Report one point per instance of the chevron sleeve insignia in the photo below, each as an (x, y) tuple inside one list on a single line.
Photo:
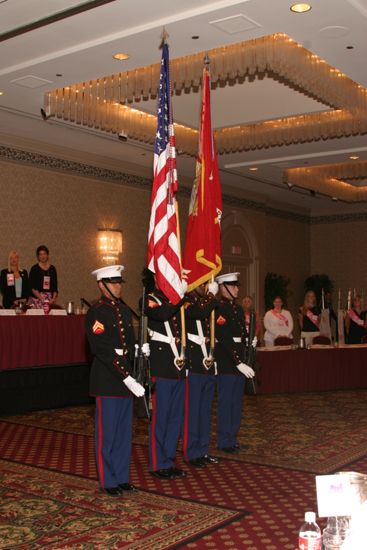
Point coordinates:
[(98, 328), (221, 320)]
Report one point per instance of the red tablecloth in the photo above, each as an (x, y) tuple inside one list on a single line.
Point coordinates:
[(312, 370), (27, 341)]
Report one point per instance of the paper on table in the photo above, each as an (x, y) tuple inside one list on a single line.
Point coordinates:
[(340, 494)]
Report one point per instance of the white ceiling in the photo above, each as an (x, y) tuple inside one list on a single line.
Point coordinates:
[(81, 47)]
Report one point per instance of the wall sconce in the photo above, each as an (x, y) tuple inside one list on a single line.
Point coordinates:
[(109, 244)]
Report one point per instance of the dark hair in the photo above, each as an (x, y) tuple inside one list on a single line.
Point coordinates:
[(41, 248)]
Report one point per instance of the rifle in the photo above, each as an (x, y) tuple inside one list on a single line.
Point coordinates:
[(250, 352), (141, 371)]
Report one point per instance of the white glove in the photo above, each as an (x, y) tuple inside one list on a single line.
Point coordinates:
[(119, 351), (254, 342), (213, 288), (134, 386), (246, 370), (145, 348), (184, 286)]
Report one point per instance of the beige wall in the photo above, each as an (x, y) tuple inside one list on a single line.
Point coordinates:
[(64, 211), (288, 253), (339, 249)]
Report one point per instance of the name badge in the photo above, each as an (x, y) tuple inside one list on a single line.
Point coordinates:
[(10, 279), (46, 282)]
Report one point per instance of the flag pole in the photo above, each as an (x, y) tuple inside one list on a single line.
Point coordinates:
[(212, 314), (182, 309), (164, 37)]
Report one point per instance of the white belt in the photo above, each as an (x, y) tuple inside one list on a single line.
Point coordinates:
[(237, 339), (158, 337), (169, 339), (199, 340)]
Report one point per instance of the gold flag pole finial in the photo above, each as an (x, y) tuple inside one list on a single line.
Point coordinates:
[(206, 60), (164, 37)]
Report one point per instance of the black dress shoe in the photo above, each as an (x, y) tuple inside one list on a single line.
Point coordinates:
[(229, 450), (128, 487), (164, 473), (210, 459), (178, 473), (112, 491), (197, 462), (238, 448)]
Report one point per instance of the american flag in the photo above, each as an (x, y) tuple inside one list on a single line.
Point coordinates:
[(163, 247)]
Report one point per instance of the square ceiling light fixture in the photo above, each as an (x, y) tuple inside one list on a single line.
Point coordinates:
[(235, 24), (31, 81)]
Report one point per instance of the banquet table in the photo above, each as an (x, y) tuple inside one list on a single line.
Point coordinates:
[(35, 341), (44, 362), (315, 369)]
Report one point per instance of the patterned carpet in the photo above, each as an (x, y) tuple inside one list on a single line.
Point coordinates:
[(39, 510), (316, 433), (207, 510)]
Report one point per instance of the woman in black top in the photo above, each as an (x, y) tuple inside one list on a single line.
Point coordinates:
[(355, 322), (309, 317), (43, 277), (14, 282)]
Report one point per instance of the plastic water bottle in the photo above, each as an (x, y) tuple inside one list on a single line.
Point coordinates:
[(335, 533), (310, 534)]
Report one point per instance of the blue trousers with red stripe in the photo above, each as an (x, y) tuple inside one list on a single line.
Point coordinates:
[(230, 399), (168, 402), (198, 407), (114, 422)]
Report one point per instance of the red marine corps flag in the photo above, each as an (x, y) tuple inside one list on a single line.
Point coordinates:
[(163, 245), (202, 254)]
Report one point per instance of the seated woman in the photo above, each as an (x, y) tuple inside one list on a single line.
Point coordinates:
[(355, 322), (277, 322), (43, 278), (14, 282), (248, 307), (309, 318)]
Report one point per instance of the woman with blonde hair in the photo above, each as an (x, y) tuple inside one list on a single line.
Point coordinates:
[(309, 316), (14, 282), (355, 321)]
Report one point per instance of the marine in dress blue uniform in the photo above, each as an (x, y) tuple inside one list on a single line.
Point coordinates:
[(168, 376), (112, 341), (201, 380), (231, 337)]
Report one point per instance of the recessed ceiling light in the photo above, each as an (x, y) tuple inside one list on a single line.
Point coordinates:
[(1, 93), (253, 169), (121, 56), (195, 37), (300, 8), (58, 74), (349, 47), (353, 157)]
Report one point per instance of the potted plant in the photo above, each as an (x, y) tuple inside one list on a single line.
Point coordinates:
[(275, 285)]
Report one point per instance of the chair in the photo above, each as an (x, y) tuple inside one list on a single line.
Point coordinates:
[(322, 340), (283, 341)]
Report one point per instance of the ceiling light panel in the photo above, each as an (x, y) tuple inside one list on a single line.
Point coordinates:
[(235, 24), (31, 81)]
